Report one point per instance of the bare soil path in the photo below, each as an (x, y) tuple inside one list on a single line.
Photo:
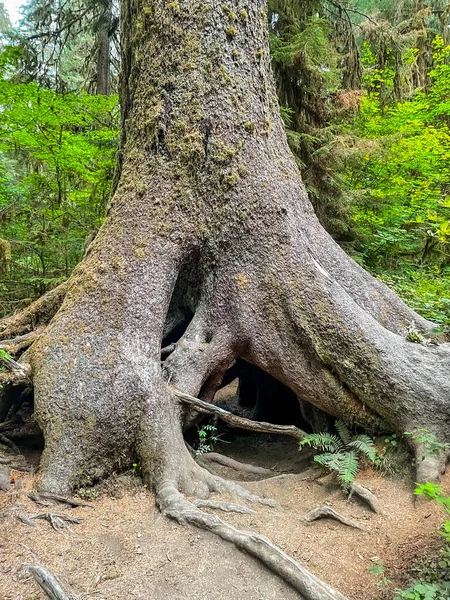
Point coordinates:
[(123, 549)]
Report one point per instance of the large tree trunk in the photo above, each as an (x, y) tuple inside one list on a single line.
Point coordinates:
[(209, 194)]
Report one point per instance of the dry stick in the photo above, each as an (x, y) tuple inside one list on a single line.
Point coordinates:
[(325, 512), (48, 583), (366, 495), (175, 506), (237, 421), (233, 464), (224, 506)]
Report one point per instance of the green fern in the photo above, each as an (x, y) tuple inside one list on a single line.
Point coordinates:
[(324, 441), (341, 453)]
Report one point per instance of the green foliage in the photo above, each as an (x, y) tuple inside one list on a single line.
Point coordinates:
[(434, 578), (401, 180), (207, 438), (57, 155), (341, 453), (431, 445)]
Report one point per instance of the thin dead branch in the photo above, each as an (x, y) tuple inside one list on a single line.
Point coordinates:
[(237, 421)]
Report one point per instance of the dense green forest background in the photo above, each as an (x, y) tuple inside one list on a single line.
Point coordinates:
[(364, 90)]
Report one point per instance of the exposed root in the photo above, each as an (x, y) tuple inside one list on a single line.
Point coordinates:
[(326, 512), (175, 506), (26, 520), (38, 313), (223, 486), (48, 583), (57, 521), (237, 421), (5, 479), (21, 342), (365, 495), (233, 464), (58, 499), (224, 506), (14, 366), (7, 442)]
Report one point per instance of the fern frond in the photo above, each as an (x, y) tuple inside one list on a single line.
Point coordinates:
[(364, 445), (344, 432), (348, 468), (323, 441), (344, 464)]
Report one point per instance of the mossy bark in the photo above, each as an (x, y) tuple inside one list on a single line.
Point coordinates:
[(205, 178)]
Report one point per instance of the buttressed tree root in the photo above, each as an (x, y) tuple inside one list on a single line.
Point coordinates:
[(210, 218)]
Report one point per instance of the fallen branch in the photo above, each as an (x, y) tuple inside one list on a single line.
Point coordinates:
[(237, 421), (233, 464), (326, 512), (224, 506), (48, 583), (366, 495)]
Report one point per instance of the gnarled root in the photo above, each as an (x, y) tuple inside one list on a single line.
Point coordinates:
[(365, 495), (173, 504), (38, 313), (226, 461), (48, 583), (326, 512)]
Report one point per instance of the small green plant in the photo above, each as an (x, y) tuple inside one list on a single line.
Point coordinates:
[(425, 591), (207, 438), (434, 581), (378, 571), (89, 493), (415, 336), (431, 445), (341, 454)]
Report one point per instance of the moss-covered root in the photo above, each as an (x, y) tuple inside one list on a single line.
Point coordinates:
[(38, 313), (173, 504)]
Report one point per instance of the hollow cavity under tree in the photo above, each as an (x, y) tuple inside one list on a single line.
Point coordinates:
[(209, 211)]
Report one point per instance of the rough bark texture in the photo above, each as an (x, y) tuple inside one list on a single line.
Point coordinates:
[(208, 196)]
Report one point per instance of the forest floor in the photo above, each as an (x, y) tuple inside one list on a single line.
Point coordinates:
[(124, 549)]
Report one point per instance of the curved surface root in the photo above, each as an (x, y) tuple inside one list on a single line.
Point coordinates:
[(233, 464), (365, 495), (224, 506), (326, 512), (173, 504)]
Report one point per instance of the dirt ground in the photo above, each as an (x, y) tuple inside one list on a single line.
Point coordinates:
[(123, 549)]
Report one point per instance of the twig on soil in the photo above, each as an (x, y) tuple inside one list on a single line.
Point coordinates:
[(48, 583), (224, 506), (366, 495), (233, 464), (237, 421), (326, 512)]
